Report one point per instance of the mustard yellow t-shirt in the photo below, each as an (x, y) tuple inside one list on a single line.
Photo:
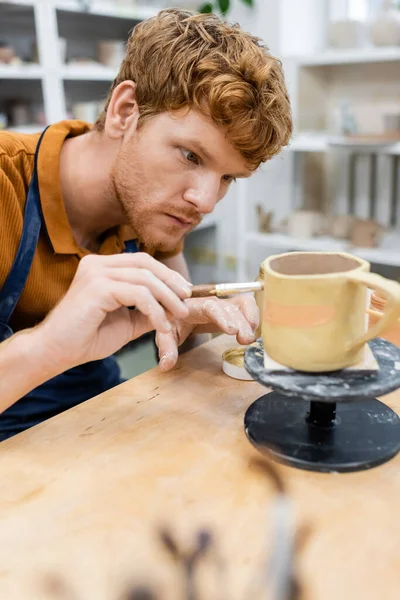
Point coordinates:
[(57, 255)]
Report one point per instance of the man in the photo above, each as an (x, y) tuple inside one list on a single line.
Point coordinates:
[(92, 220)]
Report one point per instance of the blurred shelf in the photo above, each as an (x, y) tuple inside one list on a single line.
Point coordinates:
[(33, 71), (322, 142), (378, 255), (324, 243), (29, 3), (26, 128), (281, 240), (90, 72), (106, 8), (110, 8), (347, 57), (208, 221), (309, 142), (377, 144)]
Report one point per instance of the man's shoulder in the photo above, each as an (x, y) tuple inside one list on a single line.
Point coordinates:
[(12, 144), (16, 163)]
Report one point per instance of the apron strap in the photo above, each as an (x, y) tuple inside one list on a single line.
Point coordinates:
[(16, 279), (131, 246), (13, 286)]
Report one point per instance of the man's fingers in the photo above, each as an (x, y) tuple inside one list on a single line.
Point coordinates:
[(229, 318), (226, 315), (248, 306), (237, 321), (141, 260), (140, 324), (125, 294), (167, 350), (161, 292)]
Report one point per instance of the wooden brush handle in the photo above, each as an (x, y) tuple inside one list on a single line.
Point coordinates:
[(223, 290), (204, 291)]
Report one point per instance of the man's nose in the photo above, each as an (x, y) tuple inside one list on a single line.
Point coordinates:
[(204, 194)]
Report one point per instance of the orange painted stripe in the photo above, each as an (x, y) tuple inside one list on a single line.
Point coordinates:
[(299, 317)]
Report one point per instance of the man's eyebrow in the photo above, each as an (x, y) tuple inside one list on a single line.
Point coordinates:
[(198, 146)]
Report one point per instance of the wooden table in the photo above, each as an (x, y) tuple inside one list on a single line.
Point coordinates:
[(82, 495)]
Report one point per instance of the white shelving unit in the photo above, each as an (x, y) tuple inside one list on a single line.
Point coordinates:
[(323, 142), (350, 57), (87, 81), (29, 3), (109, 8), (231, 229), (29, 71), (311, 73), (50, 72), (90, 72), (287, 242), (208, 221), (25, 129)]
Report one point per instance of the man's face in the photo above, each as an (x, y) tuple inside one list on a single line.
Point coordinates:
[(172, 172)]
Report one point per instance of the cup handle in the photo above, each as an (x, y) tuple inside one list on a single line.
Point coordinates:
[(391, 290), (374, 313)]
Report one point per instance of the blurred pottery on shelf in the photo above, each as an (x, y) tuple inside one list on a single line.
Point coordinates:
[(264, 220), (111, 53), (346, 34), (366, 233), (7, 54), (306, 224), (340, 226), (385, 29)]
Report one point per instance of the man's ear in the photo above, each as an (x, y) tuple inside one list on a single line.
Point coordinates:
[(122, 111)]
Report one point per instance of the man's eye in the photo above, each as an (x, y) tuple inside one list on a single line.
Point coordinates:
[(229, 178), (191, 156)]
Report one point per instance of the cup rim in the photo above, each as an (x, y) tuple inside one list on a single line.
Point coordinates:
[(267, 265)]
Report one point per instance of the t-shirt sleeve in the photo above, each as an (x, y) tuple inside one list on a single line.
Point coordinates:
[(11, 215)]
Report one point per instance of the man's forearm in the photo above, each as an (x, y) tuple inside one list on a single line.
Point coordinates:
[(23, 366)]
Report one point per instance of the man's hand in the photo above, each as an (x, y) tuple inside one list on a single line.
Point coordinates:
[(93, 319), (238, 316)]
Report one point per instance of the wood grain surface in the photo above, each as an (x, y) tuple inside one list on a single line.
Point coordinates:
[(83, 495)]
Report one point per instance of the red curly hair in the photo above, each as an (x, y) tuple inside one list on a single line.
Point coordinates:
[(180, 60)]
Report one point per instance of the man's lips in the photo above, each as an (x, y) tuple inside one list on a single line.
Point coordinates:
[(183, 221)]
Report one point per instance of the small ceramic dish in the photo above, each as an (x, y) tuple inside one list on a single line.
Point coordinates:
[(233, 363)]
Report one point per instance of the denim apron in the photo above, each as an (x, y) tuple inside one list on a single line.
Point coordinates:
[(72, 387)]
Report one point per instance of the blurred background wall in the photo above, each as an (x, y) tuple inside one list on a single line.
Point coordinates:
[(337, 186)]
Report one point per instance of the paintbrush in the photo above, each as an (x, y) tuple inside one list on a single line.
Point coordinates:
[(225, 289)]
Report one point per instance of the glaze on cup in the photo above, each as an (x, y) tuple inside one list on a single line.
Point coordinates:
[(314, 309)]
